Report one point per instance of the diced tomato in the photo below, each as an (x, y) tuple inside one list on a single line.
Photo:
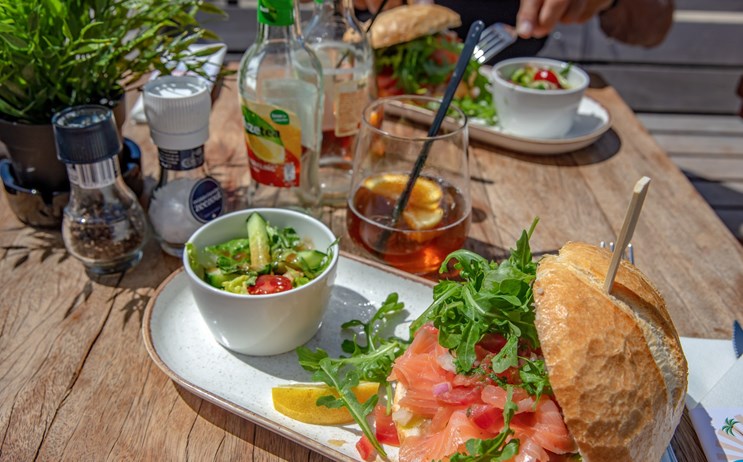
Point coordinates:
[(387, 84), (487, 417), (444, 57), (386, 81), (270, 284), (385, 426), (547, 75), (366, 450), (493, 343)]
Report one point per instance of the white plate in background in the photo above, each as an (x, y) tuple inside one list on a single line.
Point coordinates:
[(592, 121)]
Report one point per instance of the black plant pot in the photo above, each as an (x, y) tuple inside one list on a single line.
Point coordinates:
[(36, 182), (34, 156), (44, 208)]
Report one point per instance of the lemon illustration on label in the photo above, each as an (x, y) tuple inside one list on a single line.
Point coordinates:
[(266, 150)]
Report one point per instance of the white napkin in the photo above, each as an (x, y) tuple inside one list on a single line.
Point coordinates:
[(715, 397), (211, 65)]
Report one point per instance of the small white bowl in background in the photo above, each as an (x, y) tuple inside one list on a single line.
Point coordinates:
[(270, 324), (531, 112)]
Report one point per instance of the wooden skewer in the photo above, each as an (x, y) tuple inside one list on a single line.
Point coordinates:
[(628, 228)]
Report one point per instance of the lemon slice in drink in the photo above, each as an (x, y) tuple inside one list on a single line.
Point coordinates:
[(299, 402), (422, 218), (426, 194), (267, 151)]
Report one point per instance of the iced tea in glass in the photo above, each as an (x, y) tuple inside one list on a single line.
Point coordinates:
[(436, 220)]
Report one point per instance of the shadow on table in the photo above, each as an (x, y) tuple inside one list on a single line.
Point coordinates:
[(725, 201), (603, 149)]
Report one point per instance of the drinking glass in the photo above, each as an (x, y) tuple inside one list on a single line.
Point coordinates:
[(436, 220)]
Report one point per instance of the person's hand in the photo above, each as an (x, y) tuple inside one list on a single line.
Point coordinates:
[(537, 18)]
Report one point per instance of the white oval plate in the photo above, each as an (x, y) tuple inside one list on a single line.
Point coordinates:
[(592, 121), (180, 343)]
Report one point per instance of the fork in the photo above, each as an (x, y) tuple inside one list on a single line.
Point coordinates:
[(493, 40), (629, 254)]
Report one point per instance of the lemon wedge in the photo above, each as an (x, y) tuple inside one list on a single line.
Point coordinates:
[(426, 193), (266, 150), (299, 402)]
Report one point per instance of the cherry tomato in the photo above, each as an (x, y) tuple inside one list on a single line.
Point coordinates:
[(270, 284), (547, 75)]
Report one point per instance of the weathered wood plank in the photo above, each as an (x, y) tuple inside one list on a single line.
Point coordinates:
[(687, 124), (648, 88), (730, 170), (720, 147), (687, 43)]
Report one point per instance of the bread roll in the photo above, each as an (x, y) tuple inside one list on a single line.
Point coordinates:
[(614, 361), (408, 22)]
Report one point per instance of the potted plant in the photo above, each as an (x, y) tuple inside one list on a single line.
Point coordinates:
[(60, 53)]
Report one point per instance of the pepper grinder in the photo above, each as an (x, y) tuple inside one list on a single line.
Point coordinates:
[(186, 197), (103, 224)]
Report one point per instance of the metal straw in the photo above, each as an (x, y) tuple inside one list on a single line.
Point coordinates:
[(473, 36)]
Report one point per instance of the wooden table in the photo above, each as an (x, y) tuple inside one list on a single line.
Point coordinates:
[(77, 384)]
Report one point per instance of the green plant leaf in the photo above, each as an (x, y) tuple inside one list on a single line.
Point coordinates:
[(57, 53)]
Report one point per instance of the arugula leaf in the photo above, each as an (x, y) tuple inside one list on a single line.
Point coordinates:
[(534, 380), (492, 297), (372, 356), (417, 69)]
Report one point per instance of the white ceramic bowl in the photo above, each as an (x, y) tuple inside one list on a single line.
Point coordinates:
[(536, 113), (270, 324)]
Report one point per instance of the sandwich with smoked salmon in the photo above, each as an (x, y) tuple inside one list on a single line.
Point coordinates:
[(530, 361), (520, 360)]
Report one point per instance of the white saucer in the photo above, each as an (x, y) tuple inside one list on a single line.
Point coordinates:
[(591, 122)]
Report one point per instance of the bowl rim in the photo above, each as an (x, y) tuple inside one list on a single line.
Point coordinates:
[(295, 290), (495, 75)]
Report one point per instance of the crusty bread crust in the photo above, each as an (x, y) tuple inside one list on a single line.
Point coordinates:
[(614, 361), (408, 22)]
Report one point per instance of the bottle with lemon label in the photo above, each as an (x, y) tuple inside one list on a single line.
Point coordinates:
[(281, 99)]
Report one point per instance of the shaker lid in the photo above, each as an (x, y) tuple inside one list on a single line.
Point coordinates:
[(177, 110), (85, 134)]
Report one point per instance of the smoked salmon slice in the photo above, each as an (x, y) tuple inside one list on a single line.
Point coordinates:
[(451, 409)]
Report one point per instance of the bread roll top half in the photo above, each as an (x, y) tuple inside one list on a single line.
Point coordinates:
[(408, 22), (614, 360)]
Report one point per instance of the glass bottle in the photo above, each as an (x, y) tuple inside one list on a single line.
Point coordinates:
[(280, 86), (103, 224), (340, 43), (177, 110)]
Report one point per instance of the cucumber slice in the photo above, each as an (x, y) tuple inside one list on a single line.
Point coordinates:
[(216, 278), (313, 259), (260, 250)]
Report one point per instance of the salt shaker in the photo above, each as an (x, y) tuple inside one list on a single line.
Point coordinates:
[(103, 224), (177, 110)]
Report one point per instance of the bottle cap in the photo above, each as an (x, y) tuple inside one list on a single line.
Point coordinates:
[(85, 134), (177, 110)]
